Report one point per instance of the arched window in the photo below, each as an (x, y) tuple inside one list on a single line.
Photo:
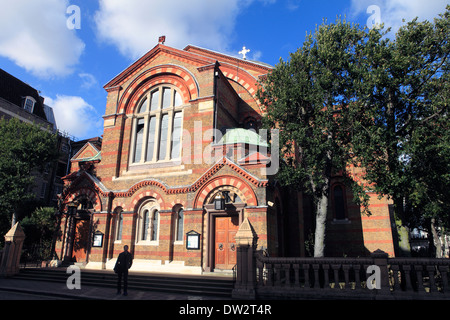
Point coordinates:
[(180, 225), (119, 225), (157, 126), (145, 224), (148, 222), (154, 226), (339, 202), (28, 103)]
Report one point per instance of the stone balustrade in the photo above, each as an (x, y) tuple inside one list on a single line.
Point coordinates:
[(344, 278), (331, 278), (375, 277)]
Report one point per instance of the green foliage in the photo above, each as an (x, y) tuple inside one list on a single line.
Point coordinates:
[(39, 229), (403, 95), (352, 96), (25, 148), (308, 99)]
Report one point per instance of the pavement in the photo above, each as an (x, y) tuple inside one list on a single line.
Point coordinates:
[(18, 289)]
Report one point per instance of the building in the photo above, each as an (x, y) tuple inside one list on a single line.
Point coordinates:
[(20, 100), (181, 166)]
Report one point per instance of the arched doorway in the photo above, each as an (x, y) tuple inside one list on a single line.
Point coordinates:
[(222, 225), (79, 231)]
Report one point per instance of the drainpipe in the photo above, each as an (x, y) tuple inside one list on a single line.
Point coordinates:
[(216, 76)]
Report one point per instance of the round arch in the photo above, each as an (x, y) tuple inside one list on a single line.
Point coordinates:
[(247, 194), (171, 74), (89, 193), (144, 195)]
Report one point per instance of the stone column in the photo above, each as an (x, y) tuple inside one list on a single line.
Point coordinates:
[(245, 262), (13, 248)]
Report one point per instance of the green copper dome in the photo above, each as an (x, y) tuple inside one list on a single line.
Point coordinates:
[(239, 135)]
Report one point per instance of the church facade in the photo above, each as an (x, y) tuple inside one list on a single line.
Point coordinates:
[(182, 164)]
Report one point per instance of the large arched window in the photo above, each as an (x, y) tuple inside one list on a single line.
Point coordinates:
[(157, 126), (148, 223)]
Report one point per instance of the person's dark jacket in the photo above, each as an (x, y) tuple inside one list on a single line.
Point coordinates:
[(124, 262)]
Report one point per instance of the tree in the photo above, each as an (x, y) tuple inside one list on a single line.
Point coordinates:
[(308, 98), (40, 229), (25, 149), (427, 205), (403, 97), (353, 97)]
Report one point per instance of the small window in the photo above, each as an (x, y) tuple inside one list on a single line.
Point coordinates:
[(119, 226), (144, 105), (167, 97), (155, 100), (339, 203), (139, 139), (151, 139), (29, 104), (155, 221), (146, 220), (176, 135), (178, 101), (180, 224), (163, 135)]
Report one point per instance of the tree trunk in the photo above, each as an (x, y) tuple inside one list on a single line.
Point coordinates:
[(321, 219), (436, 240)]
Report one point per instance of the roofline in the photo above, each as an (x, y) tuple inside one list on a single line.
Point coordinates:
[(237, 59), (200, 58), (155, 50)]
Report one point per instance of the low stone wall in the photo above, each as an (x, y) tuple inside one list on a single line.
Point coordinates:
[(374, 277)]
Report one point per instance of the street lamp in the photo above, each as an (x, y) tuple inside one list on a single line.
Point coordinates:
[(72, 209), (219, 202)]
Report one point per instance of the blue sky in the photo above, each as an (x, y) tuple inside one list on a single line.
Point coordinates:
[(70, 65)]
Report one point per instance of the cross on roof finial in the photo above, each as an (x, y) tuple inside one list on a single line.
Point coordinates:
[(162, 39), (244, 52)]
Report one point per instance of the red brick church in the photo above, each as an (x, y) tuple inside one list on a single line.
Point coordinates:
[(180, 167)]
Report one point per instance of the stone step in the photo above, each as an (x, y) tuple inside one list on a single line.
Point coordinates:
[(199, 285)]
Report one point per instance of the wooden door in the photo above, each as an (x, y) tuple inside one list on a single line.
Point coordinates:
[(225, 243), (81, 240)]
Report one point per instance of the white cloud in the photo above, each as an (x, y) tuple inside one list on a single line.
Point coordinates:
[(88, 79), (134, 25), (75, 116), (35, 36), (394, 11)]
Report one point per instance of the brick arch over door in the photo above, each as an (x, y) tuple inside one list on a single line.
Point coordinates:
[(171, 74), (89, 193), (226, 180)]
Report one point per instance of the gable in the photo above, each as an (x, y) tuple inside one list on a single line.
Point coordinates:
[(87, 153), (191, 54), (159, 49)]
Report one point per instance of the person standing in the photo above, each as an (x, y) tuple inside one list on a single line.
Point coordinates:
[(123, 263)]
